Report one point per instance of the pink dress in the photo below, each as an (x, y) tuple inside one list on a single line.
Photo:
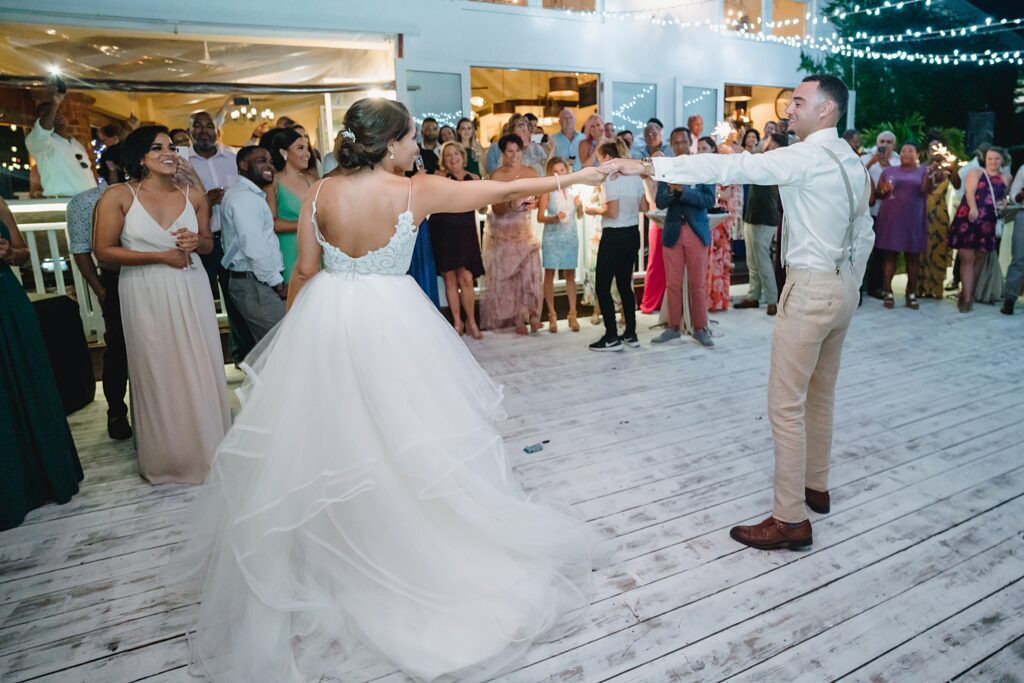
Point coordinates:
[(654, 280), (179, 392), (511, 256), (730, 198)]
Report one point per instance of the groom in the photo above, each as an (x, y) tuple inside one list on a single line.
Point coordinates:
[(826, 241)]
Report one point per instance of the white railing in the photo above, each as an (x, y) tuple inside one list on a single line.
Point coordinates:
[(53, 236), (88, 305)]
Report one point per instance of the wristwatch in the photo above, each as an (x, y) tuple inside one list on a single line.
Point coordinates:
[(648, 165)]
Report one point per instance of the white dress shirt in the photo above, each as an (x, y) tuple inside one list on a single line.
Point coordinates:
[(65, 168), (1016, 186), (217, 171), (247, 234), (814, 199)]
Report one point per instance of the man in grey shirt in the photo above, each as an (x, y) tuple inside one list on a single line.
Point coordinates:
[(103, 284), (252, 254)]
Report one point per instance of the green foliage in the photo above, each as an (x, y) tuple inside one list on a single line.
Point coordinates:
[(914, 128), (911, 98)]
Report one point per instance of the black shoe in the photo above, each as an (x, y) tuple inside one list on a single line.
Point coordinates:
[(630, 340), (1007, 308), (603, 344), (119, 429)]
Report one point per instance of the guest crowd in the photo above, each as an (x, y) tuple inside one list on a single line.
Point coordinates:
[(178, 219)]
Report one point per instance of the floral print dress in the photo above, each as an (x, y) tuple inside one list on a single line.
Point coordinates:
[(730, 198)]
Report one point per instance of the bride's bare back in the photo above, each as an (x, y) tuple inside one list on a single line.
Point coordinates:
[(357, 213)]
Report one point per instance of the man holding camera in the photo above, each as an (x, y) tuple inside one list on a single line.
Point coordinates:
[(65, 167)]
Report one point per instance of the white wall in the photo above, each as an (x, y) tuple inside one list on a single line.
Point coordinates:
[(450, 36)]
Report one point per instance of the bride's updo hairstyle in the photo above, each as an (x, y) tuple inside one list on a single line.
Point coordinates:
[(370, 124)]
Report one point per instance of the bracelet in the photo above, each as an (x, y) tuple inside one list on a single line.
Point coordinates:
[(558, 182)]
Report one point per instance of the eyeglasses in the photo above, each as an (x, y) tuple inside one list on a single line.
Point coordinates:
[(80, 162)]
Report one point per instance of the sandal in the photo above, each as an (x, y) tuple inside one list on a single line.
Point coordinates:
[(573, 325), (552, 323), (888, 301), (912, 302)]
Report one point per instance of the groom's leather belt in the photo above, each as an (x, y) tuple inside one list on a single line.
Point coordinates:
[(240, 274)]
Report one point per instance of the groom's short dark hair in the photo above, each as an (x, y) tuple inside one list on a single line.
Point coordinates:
[(833, 88)]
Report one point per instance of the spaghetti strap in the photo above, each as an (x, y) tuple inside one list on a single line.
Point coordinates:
[(134, 194), (408, 208)]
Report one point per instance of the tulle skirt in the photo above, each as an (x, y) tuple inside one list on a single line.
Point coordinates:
[(361, 509)]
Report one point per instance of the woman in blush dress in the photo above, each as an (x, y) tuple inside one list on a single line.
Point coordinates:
[(457, 247), (155, 231), (901, 225), (512, 290), (560, 245), (362, 511)]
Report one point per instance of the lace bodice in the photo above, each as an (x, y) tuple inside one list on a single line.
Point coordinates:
[(391, 259)]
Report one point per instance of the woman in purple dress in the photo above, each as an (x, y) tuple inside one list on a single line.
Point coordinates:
[(902, 220), (974, 228)]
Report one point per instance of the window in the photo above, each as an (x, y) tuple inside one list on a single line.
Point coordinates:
[(632, 105), (702, 102), (789, 18), (578, 5), (433, 94), (742, 15)]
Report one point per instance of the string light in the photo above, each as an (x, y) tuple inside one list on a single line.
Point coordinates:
[(444, 118), (836, 45), (694, 100), (620, 113)]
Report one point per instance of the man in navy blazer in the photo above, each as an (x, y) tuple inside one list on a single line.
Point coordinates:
[(685, 240)]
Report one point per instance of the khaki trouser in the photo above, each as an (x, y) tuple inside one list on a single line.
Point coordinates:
[(814, 313)]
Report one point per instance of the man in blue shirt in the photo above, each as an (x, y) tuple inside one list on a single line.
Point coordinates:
[(567, 141), (252, 254)]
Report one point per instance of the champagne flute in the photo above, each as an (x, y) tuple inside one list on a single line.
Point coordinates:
[(188, 254)]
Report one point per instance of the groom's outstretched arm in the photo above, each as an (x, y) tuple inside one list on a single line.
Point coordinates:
[(786, 166)]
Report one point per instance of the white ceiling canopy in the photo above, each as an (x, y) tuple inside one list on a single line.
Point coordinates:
[(114, 56)]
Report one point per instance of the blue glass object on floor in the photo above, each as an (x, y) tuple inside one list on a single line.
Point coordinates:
[(422, 267)]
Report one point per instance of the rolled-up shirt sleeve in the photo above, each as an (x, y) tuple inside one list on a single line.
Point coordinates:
[(38, 140), (257, 241), (786, 166)]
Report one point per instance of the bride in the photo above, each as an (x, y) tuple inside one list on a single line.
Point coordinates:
[(361, 511)]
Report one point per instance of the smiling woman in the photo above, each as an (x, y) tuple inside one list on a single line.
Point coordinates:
[(152, 229)]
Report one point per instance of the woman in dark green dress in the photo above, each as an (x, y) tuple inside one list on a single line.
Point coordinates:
[(38, 461)]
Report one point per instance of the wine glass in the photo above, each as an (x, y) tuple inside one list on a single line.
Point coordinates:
[(177, 231)]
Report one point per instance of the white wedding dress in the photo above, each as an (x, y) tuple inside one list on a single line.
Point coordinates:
[(361, 510)]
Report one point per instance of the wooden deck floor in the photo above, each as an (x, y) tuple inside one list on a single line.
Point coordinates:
[(916, 575)]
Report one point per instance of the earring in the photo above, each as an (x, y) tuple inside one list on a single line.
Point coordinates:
[(392, 153), (285, 157)]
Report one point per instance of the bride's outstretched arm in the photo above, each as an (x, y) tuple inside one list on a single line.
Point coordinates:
[(310, 252), (432, 194)]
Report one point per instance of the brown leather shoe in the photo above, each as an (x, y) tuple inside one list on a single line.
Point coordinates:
[(747, 303), (773, 309), (772, 534), (818, 501)]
